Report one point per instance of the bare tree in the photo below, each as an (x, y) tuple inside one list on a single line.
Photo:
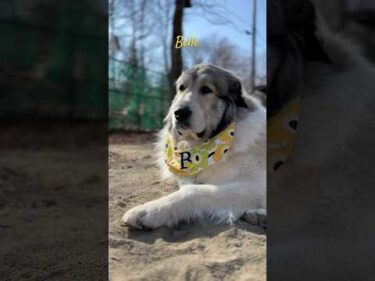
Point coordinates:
[(164, 10), (214, 50), (131, 25), (176, 54), (224, 54), (141, 25)]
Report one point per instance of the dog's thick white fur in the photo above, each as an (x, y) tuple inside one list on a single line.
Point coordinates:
[(331, 166), (324, 191), (336, 115), (226, 191)]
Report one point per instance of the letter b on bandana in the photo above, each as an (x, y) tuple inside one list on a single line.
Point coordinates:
[(185, 156)]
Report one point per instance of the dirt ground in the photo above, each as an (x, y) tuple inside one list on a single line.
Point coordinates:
[(52, 205), (198, 251)]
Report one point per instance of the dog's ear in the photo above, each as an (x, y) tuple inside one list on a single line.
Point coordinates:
[(301, 22), (235, 91), (293, 39)]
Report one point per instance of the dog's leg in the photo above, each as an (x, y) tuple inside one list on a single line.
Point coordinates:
[(224, 203)]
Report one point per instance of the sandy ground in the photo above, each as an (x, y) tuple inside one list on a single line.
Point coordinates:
[(199, 251), (52, 206)]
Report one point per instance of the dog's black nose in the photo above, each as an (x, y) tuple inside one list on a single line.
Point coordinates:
[(182, 115)]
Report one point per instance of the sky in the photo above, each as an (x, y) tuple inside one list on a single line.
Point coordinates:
[(239, 12)]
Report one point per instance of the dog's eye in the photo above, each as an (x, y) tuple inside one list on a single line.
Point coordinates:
[(205, 90), (181, 88)]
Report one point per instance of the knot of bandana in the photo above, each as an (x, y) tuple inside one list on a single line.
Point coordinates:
[(281, 134), (184, 160)]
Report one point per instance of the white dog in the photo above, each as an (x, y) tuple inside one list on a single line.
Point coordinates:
[(210, 100), (324, 191), (335, 85)]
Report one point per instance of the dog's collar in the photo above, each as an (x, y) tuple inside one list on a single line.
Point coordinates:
[(281, 134), (184, 160)]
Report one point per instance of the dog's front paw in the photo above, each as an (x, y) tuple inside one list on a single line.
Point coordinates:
[(148, 216), (256, 217)]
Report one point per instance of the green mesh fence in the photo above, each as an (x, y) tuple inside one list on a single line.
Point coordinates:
[(138, 98), (49, 61)]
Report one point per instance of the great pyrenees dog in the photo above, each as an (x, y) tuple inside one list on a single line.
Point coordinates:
[(324, 191), (209, 102), (336, 87)]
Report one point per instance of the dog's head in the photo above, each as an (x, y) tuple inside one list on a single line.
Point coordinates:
[(207, 100), (291, 42)]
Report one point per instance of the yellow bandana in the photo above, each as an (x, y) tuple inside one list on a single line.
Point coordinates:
[(281, 134), (184, 160)]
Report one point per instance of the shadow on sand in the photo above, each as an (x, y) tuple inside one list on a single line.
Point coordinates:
[(190, 231)]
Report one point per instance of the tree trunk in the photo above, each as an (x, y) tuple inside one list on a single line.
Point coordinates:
[(176, 60)]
